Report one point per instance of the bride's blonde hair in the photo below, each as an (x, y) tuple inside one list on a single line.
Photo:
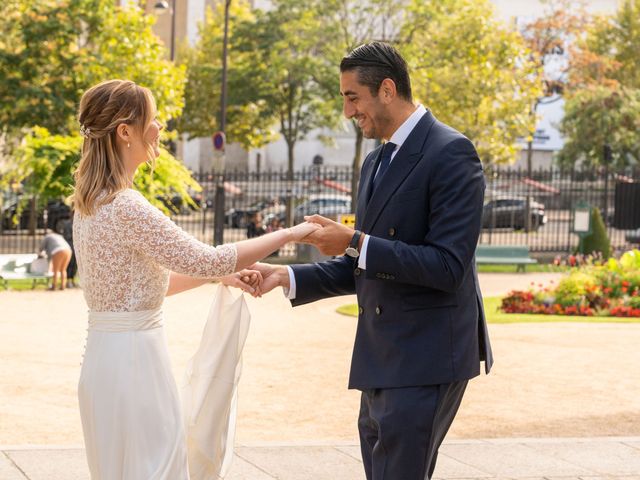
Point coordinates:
[(101, 172)]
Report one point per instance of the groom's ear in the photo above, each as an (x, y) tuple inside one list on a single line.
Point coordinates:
[(387, 91)]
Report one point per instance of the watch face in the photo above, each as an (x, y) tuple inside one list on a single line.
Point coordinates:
[(352, 252)]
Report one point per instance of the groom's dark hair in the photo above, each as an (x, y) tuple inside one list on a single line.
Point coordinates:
[(376, 61)]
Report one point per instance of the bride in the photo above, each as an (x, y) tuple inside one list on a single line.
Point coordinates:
[(130, 256)]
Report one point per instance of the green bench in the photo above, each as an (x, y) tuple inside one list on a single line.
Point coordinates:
[(18, 267), (504, 255)]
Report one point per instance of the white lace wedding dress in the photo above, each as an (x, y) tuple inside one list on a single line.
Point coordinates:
[(129, 404)]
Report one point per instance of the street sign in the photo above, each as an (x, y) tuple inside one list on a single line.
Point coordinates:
[(348, 219), (219, 141), (581, 224)]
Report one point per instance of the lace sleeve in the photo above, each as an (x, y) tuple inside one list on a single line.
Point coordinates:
[(147, 230)]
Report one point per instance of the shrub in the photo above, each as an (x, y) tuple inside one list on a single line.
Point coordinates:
[(598, 241)]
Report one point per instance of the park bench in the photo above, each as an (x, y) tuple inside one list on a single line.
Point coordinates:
[(504, 255), (18, 267)]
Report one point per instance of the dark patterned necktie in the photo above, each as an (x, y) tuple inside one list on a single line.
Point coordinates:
[(385, 160)]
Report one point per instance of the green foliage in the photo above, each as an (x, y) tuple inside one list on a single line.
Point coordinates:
[(573, 288), (617, 38), (45, 162), (604, 108), (630, 261), (479, 80), (596, 116), (170, 177), (598, 241), (59, 48), (124, 46), (281, 54), (248, 122)]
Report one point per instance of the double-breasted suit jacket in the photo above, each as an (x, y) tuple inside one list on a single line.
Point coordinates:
[(421, 319)]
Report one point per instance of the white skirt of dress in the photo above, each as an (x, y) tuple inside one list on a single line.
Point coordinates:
[(132, 420)]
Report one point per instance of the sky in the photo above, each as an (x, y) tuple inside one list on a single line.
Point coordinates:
[(507, 9)]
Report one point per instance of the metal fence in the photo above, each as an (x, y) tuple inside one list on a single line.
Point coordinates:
[(257, 202)]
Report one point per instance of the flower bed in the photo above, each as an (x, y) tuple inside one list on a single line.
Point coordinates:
[(610, 288)]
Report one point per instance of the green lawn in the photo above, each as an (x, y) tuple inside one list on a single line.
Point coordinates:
[(24, 285), (491, 305), (536, 268)]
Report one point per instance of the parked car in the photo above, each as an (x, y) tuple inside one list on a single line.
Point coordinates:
[(56, 212), (510, 212), (322, 204), (239, 217)]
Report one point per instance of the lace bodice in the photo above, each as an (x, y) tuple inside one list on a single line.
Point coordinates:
[(127, 248)]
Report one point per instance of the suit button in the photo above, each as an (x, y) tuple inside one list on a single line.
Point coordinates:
[(378, 275), (360, 310), (378, 310), (392, 232), (357, 271)]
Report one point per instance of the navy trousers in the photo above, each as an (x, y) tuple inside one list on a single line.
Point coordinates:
[(401, 429)]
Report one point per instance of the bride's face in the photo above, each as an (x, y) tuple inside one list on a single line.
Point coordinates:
[(137, 147), (152, 136)]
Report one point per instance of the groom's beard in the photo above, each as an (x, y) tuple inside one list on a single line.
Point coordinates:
[(380, 123)]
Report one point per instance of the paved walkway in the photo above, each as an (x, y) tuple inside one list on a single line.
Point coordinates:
[(531, 459)]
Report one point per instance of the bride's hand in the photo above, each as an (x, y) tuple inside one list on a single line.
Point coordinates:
[(302, 230), (247, 280)]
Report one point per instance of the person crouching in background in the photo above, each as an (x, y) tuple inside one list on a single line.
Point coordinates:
[(59, 254)]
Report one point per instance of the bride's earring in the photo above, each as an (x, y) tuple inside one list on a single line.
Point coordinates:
[(128, 145)]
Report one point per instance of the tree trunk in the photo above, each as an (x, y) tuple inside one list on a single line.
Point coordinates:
[(355, 175)]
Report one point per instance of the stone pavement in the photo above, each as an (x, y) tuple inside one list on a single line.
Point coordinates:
[(529, 458)]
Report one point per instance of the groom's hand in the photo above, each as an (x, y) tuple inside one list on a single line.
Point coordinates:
[(246, 280), (332, 239), (273, 276)]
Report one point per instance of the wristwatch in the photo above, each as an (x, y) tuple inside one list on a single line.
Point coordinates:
[(352, 249)]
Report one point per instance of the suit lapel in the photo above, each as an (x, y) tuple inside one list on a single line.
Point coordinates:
[(403, 163)]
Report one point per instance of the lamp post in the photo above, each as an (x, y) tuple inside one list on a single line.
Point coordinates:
[(160, 8), (218, 228)]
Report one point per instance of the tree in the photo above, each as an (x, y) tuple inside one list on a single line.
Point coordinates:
[(604, 104), (613, 45), (549, 39), (62, 47), (481, 80), (58, 50), (42, 61), (280, 57), (351, 23), (248, 122), (598, 116)]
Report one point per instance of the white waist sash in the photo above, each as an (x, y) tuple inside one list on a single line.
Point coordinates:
[(125, 321)]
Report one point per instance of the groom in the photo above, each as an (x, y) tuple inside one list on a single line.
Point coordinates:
[(421, 328)]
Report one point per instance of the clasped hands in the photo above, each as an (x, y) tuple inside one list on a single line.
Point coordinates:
[(329, 237)]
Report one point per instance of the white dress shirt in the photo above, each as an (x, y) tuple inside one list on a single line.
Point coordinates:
[(398, 137)]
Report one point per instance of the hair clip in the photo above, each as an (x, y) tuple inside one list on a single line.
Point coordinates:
[(84, 131)]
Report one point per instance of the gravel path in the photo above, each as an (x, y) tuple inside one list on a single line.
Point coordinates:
[(561, 379)]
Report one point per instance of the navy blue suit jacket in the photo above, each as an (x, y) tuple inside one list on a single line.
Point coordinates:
[(421, 319)]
